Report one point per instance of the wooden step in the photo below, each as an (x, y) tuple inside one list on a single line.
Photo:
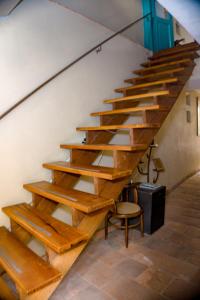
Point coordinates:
[(174, 57), (53, 233), (146, 85), (173, 49), (152, 76), (5, 291), (82, 201), (118, 127), (129, 110), (139, 97), (29, 272), (88, 170), (106, 147), (178, 49), (165, 65)]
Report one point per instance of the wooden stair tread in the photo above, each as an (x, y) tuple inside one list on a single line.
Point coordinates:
[(169, 64), (171, 71), (53, 233), (171, 49), (139, 97), (88, 170), (5, 291), (189, 54), (109, 147), (174, 50), (116, 127), (145, 85), (128, 110), (26, 269), (82, 201)]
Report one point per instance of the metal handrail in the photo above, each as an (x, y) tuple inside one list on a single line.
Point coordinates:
[(70, 65)]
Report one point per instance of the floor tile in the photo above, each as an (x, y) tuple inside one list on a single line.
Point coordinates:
[(91, 293), (155, 279), (181, 290), (124, 288), (130, 267)]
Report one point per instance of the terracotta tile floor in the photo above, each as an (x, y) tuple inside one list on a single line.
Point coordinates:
[(165, 265)]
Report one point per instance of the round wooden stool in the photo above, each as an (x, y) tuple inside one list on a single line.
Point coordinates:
[(125, 211)]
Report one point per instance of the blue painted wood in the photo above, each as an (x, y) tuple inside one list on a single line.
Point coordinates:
[(158, 29)]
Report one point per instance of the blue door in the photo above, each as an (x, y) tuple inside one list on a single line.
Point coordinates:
[(158, 28)]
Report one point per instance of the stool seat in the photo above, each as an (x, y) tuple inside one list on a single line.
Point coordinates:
[(127, 208)]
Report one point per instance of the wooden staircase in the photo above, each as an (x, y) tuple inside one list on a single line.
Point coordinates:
[(151, 95)]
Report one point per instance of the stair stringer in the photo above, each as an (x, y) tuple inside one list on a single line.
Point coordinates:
[(63, 263)]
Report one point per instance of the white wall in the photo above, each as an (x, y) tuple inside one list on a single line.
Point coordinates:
[(37, 39), (114, 14)]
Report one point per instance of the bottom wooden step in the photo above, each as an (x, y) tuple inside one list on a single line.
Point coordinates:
[(5, 291), (55, 234), (29, 272)]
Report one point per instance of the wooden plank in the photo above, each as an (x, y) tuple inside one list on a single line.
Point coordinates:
[(52, 232), (129, 110), (146, 85), (174, 50), (140, 97), (5, 291), (154, 75), (26, 269), (116, 127), (88, 170), (165, 65), (82, 201), (42, 294), (105, 147), (174, 57)]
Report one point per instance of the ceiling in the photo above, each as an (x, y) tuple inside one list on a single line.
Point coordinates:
[(113, 14), (7, 6)]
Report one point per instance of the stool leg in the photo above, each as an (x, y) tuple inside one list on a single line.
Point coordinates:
[(126, 232), (142, 224), (106, 227)]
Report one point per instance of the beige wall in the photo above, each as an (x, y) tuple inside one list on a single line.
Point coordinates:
[(178, 143)]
